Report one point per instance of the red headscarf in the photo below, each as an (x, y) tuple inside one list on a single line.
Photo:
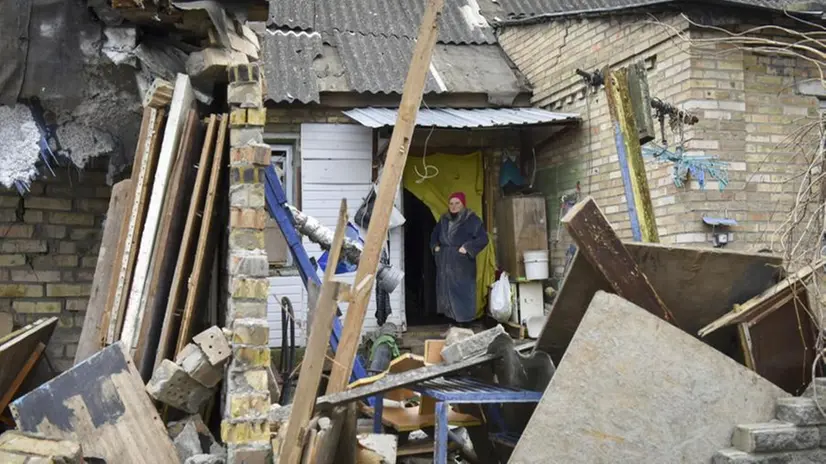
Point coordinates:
[(460, 196)]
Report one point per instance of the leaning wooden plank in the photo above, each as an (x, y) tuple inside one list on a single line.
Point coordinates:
[(15, 350), (21, 375), (159, 94), (183, 266), (313, 362), (167, 246), (606, 253), (143, 172), (90, 335), (183, 100), (388, 189), (100, 403), (203, 253)]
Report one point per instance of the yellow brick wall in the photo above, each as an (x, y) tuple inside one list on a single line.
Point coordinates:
[(49, 242), (745, 102)]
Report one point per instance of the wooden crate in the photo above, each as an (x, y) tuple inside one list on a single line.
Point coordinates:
[(522, 225)]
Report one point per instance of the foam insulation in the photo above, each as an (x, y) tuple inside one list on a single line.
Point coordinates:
[(19, 149)]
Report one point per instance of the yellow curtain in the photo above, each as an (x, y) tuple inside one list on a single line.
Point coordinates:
[(457, 173)]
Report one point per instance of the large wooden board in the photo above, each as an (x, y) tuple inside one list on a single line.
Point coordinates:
[(183, 266), (183, 100), (205, 249), (16, 348), (634, 389), (90, 336), (167, 246), (143, 172), (522, 227), (101, 404), (698, 284)]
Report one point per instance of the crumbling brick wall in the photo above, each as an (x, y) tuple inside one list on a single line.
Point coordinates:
[(49, 241), (746, 104)]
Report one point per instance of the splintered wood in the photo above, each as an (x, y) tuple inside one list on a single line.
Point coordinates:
[(159, 94)]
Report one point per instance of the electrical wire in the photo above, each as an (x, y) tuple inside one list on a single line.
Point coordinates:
[(428, 168)]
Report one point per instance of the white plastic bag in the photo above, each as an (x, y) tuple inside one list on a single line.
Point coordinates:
[(500, 299)]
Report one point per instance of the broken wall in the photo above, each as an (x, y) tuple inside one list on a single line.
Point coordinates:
[(746, 104), (49, 241)]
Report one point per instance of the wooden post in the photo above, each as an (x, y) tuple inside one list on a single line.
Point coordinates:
[(632, 166), (311, 366), (599, 243), (388, 187)]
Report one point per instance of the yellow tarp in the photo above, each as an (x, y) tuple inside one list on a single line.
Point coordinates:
[(457, 173)]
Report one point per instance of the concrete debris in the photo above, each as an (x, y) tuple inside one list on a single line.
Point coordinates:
[(774, 436), (82, 142), (171, 385), (214, 344), (471, 346), (602, 405), (206, 442), (205, 459), (193, 360), (212, 63), (187, 443), (457, 334), (19, 150), (19, 447), (120, 44), (377, 448)]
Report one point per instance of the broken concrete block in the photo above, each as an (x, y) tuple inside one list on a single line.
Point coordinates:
[(377, 448), (471, 346), (735, 456), (768, 437), (188, 442), (245, 94), (29, 447), (206, 459), (171, 385), (213, 343), (212, 63), (195, 363), (818, 385), (605, 404), (799, 411), (457, 334)]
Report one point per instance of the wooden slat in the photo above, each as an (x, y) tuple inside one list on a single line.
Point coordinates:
[(16, 349), (167, 246), (203, 253), (21, 376), (101, 403), (183, 100), (183, 266), (313, 361), (388, 188), (90, 336), (143, 171), (599, 243)]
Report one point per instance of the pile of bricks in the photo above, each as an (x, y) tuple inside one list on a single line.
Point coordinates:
[(797, 435), (25, 448)]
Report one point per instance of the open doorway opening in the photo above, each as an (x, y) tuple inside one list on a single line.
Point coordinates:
[(420, 268)]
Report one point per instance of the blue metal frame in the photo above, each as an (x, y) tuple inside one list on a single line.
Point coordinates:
[(465, 390), (277, 206), (622, 155)]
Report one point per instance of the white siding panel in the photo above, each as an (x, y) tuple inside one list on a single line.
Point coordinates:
[(336, 163)]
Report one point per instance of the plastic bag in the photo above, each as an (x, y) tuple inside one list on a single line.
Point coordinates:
[(500, 299), (344, 266)]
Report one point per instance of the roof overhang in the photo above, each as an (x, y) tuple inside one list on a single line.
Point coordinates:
[(458, 118)]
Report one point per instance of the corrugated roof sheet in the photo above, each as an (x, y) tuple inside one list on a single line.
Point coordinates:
[(462, 118), (288, 66), (460, 23)]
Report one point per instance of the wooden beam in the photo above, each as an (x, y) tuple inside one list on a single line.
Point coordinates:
[(632, 166), (8, 395), (90, 336), (388, 188), (599, 243), (316, 351)]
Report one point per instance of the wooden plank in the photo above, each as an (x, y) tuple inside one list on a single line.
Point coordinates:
[(523, 227), (183, 100), (16, 349), (21, 375), (313, 362), (203, 254), (143, 171), (167, 246), (632, 166), (386, 195), (599, 243), (183, 266), (90, 335), (101, 404), (6, 323)]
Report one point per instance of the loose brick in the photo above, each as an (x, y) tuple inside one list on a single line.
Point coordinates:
[(38, 307), (247, 454), (51, 450), (12, 260), (23, 246), (72, 219), (25, 275), (214, 345), (245, 94), (195, 363), (171, 385), (16, 230), (58, 290), (774, 437), (21, 291), (54, 204), (799, 411)]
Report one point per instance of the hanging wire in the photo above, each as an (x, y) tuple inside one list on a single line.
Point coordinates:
[(430, 171)]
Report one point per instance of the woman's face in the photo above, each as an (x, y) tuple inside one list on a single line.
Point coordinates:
[(455, 205)]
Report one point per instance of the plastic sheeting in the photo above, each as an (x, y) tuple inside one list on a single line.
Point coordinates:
[(456, 173)]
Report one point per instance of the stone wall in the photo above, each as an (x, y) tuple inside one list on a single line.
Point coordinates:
[(49, 240)]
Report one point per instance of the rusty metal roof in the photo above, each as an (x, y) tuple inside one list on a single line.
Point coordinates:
[(456, 118)]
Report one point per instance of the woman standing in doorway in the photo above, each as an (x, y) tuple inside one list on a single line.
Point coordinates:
[(455, 242)]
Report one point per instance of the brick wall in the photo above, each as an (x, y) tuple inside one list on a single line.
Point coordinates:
[(745, 102), (49, 242)]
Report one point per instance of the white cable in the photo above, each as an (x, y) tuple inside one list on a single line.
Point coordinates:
[(427, 167)]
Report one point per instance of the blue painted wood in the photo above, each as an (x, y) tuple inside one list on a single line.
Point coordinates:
[(440, 440), (378, 410), (626, 183)]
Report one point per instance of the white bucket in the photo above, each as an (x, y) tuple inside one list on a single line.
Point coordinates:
[(536, 265)]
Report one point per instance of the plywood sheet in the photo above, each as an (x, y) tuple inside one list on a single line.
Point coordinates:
[(16, 348), (522, 227), (697, 284), (90, 336), (100, 403), (632, 388)]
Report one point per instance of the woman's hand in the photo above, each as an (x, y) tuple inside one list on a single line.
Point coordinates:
[(462, 250)]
